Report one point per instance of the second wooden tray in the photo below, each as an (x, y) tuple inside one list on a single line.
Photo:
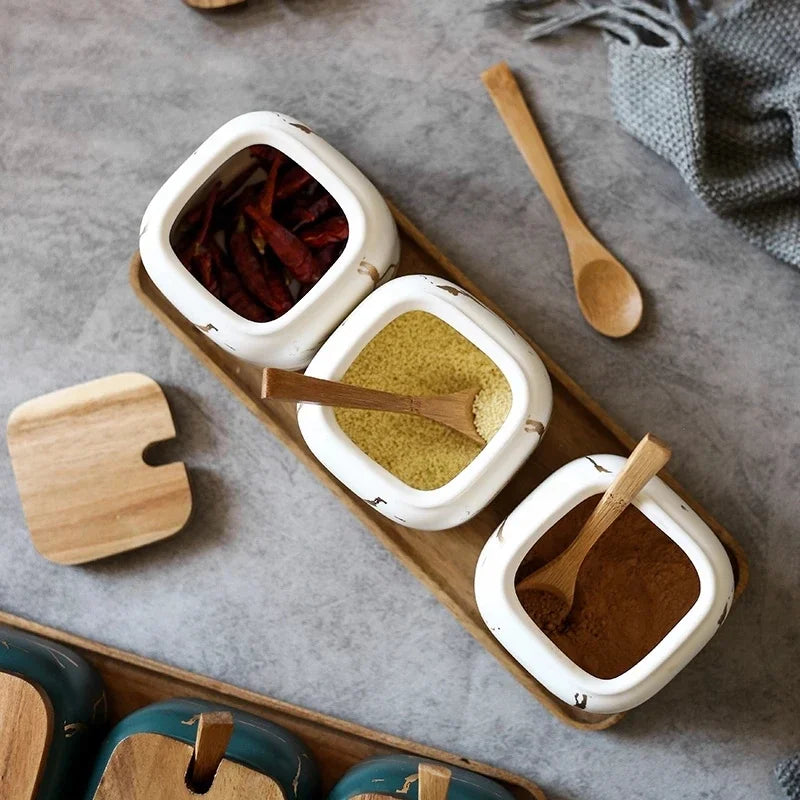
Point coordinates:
[(132, 682), (444, 562)]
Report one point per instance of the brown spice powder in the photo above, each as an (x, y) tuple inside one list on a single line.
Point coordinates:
[(633, 588)]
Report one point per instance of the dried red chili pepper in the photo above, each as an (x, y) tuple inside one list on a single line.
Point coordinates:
[(328, 231), (292, 181), (299, 215), (208, 213), (237, 299), (197, 213), (292, 253), (234, 295), (206, 271), (328, 255), (196, 256), (201, 267), (264, 283), (267, 197), (263, 152)]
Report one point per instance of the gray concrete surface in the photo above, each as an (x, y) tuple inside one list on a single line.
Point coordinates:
[(274, 586)]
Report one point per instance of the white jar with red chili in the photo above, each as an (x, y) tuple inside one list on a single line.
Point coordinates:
[(266, 237)]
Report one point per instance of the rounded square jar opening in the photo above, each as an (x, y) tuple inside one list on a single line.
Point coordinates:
[(504, 615), (221, 157), (460, 322)]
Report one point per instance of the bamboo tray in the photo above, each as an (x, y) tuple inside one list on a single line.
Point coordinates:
[(132, 682), (444, 562)]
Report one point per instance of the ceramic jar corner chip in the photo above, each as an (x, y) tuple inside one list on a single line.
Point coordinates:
[(476, 484), (370, 255)]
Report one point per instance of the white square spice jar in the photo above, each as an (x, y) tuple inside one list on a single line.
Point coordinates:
[(504, 615), (476, 485), (370, 255)]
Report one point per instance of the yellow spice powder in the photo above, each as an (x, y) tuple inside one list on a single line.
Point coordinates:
[(418, 353)]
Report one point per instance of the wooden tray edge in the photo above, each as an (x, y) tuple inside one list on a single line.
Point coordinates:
[(175, 673)]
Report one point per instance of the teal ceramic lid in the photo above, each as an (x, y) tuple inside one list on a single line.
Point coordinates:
[(78, 700), (255, 743), (397, 776)]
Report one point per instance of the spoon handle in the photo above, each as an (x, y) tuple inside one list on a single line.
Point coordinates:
[(647, 458), (559, 575), (280, 384), (507, 97)]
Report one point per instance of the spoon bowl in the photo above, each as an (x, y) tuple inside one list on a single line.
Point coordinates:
[(608, 297)]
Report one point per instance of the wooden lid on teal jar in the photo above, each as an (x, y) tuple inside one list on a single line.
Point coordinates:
[(58, 705), (397, 775), (255, 743)]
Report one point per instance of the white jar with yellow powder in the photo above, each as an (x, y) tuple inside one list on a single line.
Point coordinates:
[(424, 335)]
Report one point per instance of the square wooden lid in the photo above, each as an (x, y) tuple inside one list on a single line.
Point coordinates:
[(77, 458)]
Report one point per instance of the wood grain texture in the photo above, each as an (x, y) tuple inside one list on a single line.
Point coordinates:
[(453, 410), (148, 766), (337, 745), (77, 458), (214, 731), (26, 730), (607, 294), (444, 562), (559, 575), (434, 781)]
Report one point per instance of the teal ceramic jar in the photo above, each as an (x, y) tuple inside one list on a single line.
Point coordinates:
[(77, 698), (256, 743), (396, 776)]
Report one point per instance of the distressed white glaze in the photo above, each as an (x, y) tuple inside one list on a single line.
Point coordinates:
[(510, 624), (475, 486), (371, 254)]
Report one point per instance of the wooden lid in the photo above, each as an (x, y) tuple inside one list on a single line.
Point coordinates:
[(77, 458), (149, 766), (26, 730)]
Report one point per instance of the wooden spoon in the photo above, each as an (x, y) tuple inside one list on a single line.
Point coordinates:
[(453, 410), (607, 293), (211, 4), (558, 576)]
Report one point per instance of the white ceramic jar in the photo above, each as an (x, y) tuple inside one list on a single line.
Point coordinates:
[(370, 255), (508, 621), (475, 486)]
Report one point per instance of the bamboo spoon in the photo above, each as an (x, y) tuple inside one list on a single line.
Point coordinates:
[(607, 294), (214, 730), (558, 576), (434, 781), (453, 410)]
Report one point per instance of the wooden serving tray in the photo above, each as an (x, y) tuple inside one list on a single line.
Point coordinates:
[(132, 682), (443, 561)]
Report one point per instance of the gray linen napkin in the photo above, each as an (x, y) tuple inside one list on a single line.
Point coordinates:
[(788, 775), (716, 95)]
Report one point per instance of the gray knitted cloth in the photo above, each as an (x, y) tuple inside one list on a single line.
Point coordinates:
[(788, 775), (719, 97)]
